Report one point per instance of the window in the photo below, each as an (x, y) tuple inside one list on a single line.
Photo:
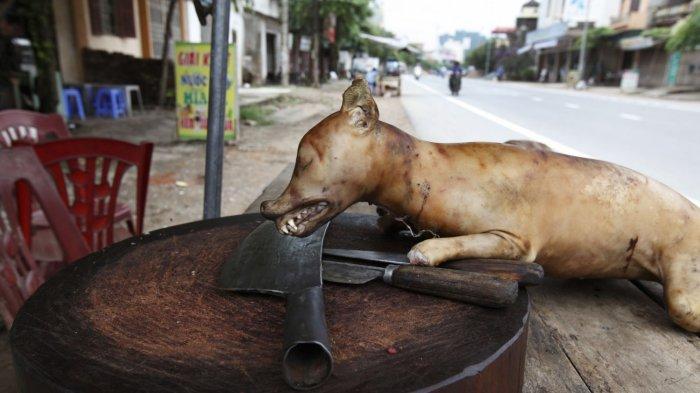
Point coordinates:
[(112, 17), (634, 6)]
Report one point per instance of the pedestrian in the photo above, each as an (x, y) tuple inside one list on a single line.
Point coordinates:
[(372, 80), (500, 72)]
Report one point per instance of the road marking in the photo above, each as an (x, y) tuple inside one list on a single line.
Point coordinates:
[(505, 123), (556, 146), (537, 99), (630, 116), (649, 102), (572, 106)]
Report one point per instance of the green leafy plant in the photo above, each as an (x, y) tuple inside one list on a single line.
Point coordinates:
[(477, 57), (595, 37), (658, 33), (257, 113), (685, 35)]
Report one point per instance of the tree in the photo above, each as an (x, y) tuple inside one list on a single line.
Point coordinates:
[(38, 17), (686, 35), (595, 37), (477, 57), (164, 53), (351, 18), (284, 10)]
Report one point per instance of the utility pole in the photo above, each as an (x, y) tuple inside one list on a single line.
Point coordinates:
[(584, 43), (285, 41), (217, 105), (488, 56), (316, 47)]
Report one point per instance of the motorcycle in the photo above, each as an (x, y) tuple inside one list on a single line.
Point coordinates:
[(417, 71), (455, 83)]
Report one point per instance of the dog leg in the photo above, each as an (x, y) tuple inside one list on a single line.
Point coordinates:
[(495, 244), (682, 290)]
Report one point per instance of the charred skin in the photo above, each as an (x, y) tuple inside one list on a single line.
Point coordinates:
[(576, 217)]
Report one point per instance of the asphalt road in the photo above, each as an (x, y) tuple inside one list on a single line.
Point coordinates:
[(656, 137)]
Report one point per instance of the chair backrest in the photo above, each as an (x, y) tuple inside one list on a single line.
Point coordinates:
[(88, 173), (33, 127), (20, 275)]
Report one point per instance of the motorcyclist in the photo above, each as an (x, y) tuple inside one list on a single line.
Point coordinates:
[(455, 78), (417, 71)]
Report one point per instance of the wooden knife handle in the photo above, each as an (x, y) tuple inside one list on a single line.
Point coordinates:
[(470, 287), (525, 273)]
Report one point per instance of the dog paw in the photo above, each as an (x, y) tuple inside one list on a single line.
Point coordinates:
[(416, 257)]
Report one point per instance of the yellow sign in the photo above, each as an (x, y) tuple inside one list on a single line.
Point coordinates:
[(192, 90)]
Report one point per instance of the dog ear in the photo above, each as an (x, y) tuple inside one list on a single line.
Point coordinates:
[(358, 102)]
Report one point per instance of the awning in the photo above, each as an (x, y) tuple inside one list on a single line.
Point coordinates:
[(524, 49), (636, 43), (390, 42), (545, 44), (552, 32)]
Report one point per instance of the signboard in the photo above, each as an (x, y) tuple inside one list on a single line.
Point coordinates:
[(636, 43), (552, 32), (674, 63), (575, 10), (629, 81), (192, 90)]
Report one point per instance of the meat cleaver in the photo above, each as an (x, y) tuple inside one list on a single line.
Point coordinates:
[(270, 263)]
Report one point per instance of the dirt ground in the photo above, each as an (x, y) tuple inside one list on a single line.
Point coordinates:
[(177, 175), (176, 187)]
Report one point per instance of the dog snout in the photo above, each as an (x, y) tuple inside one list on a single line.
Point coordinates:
[(270, 209), (267, 209)]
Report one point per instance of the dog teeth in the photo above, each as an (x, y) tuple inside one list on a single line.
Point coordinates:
[(291, 224), (285, 230)]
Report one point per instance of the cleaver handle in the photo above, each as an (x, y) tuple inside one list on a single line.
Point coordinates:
[(307, 361), (477, 288)]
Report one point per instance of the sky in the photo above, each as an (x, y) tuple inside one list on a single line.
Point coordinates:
[(424, 20)]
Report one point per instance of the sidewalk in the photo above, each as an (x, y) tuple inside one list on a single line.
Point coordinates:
[(260, 95)]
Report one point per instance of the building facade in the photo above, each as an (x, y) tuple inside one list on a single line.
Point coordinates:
[(645, 53), (136, 28)]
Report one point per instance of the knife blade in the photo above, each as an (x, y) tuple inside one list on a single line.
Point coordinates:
[(525, 273), (468, 287)]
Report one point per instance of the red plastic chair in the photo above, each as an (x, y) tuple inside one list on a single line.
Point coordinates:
[(92, 170), (30, 126), (20, 273)]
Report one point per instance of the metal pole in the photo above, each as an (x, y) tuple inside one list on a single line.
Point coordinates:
[(285, 41), (217, 106), (316, 46), (584, 42)]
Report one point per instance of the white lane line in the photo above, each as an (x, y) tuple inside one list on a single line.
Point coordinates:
[(649, 102), (556, 146), (572, 106), (505, 123), (537, 99), (630, 116)]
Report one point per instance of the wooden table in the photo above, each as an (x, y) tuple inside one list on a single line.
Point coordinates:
[(594, 335), (145, 315)]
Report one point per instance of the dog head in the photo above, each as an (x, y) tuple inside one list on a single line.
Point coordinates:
[(334, 166)]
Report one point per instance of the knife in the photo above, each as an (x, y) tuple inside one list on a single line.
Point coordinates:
[(470, 287), (525, 273)]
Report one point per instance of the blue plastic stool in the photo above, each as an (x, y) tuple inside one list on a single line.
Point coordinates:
[(76, 102), (110, 102)]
